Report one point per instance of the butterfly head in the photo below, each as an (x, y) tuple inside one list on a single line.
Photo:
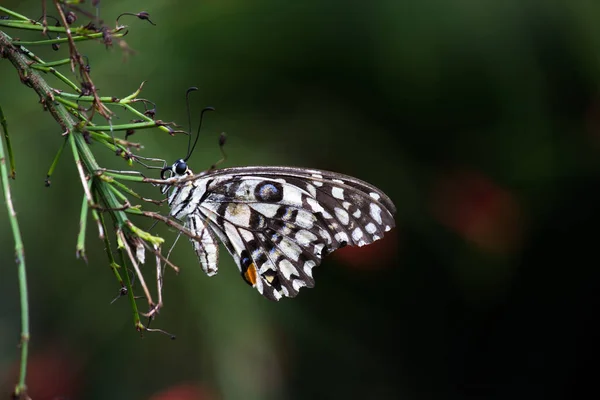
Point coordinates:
[(177, 169), (180, 168)]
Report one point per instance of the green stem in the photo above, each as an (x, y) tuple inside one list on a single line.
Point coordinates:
[(59, 40), (118, 193), (124, 188), (80, 247), (136, 315), (111, 260), (124, 127), (123, 177), (56, 63), (11, 158), (14, 14), (21, 387), (55, 162)]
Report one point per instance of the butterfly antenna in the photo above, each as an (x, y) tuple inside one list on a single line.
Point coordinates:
[(187, 105), (205, 109), (187, 102)]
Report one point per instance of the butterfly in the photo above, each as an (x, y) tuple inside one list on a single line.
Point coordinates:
[(276, 222)]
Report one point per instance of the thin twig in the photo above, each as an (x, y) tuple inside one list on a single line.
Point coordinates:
[(76, 57), (125, 245), (136, 315), (171, 223), (163, 258)]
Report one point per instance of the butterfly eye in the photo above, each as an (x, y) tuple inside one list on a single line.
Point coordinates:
[(180, 167)]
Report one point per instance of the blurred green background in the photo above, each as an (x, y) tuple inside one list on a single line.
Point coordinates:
[(480, 119)]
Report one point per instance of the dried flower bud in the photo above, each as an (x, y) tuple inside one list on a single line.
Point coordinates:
[(71, 17)]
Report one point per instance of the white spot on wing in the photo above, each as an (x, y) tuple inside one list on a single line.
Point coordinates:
[(374, 195), (234, 237), (238, 214), (286, 268), (266, 209), (290, 249), (246, 235), (338, 193), (357, 213), (375, 212), (316, 207), (325, 234), (342, 237), (311, 189), (304, 219), (304, 237), (292, 196), (308, 266), (342, 215), (357, 234), (371, 228), (297, 284)]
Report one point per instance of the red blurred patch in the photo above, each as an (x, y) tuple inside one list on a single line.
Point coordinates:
[(480, 211), (185, 391), (51, 374), (376, 255)]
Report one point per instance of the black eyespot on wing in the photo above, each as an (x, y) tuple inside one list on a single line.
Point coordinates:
[(269, 192), (248, 268), (245, 260)]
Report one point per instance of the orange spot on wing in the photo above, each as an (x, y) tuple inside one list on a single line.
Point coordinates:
[(250, 274)]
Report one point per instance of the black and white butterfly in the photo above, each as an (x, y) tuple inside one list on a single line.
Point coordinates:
[(276, 222)]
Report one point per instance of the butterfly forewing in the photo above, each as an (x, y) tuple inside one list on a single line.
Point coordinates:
[(278, 222)]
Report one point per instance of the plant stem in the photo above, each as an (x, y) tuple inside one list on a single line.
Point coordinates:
[(11, 158), (21, 387), (13, 14)]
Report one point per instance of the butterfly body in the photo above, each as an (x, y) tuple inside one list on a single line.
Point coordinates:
[(276, 222)]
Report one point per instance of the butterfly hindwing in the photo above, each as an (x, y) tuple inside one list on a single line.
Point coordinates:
[(207, 248)]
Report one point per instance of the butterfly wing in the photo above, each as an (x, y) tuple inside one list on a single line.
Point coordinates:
[(278, 222), (207, 248)]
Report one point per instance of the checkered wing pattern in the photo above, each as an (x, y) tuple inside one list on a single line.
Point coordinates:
[(278, 222)]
